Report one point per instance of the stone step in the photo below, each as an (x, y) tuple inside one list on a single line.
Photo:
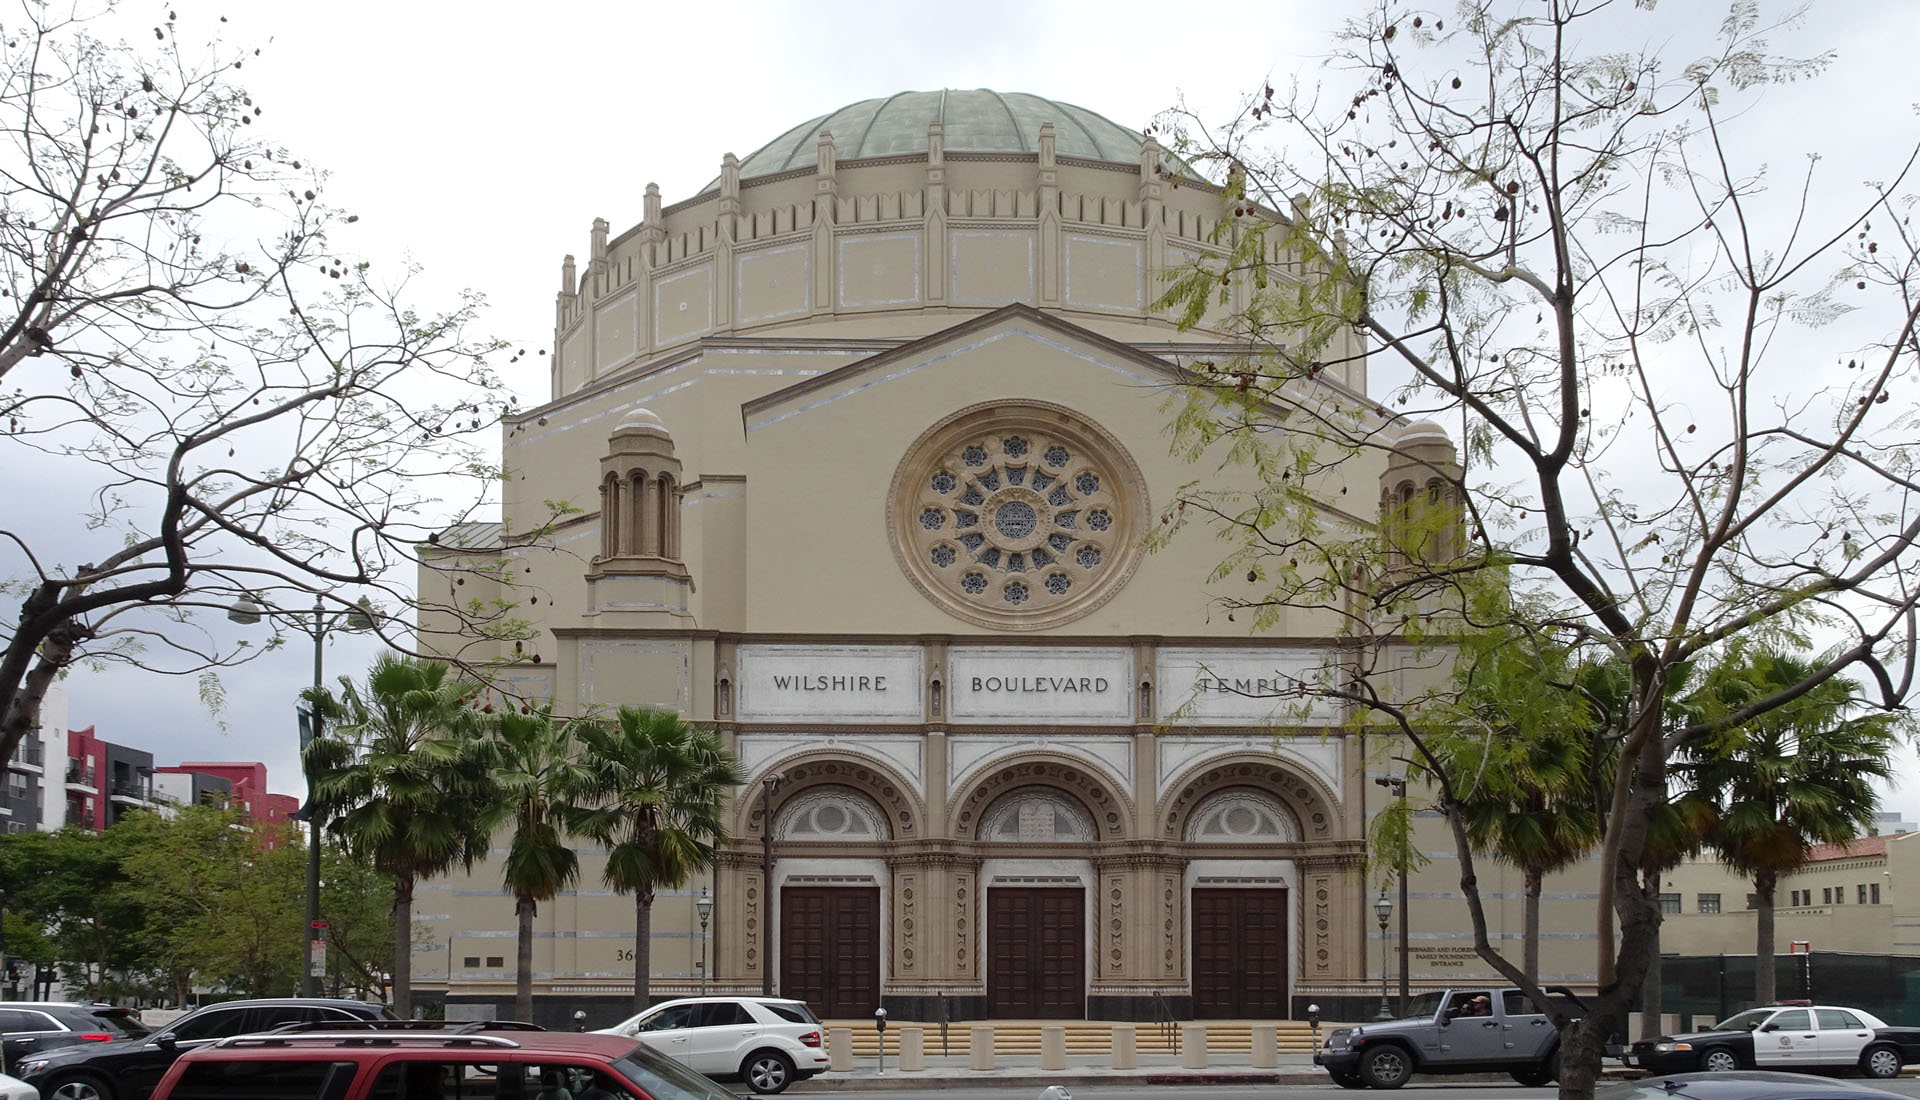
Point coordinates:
[(1084, 1038)]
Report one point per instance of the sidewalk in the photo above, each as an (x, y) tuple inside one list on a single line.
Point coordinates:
[(945, 1071)]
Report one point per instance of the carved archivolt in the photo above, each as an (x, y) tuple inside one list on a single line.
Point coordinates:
[(833, 814), (1108, 810), (834, 768), (1309, 803), (1242, 817)]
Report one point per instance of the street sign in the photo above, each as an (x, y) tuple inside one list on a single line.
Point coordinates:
[(317, 958)]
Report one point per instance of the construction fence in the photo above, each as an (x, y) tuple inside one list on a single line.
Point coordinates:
[(1717, 986)]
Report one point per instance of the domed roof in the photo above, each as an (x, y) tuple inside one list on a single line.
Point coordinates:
[(973, 121)]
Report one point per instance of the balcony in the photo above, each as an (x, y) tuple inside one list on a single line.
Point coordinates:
[(81, 774), (126, 791), (28, 758)]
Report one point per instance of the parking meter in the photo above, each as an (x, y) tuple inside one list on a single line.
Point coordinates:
[(1313, 1021), (880, 1025)]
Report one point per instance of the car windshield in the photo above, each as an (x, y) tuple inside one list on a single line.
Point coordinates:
[(1746, 1021), (1426, 1004), (665, 1079)]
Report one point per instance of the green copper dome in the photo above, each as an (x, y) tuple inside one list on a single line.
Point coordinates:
[(975, 121)]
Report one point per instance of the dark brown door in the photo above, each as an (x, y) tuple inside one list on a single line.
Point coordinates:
[(830, 949), (1239, 954), (1036, 953)]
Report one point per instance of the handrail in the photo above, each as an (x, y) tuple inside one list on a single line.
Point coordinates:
[(1163, 1017)]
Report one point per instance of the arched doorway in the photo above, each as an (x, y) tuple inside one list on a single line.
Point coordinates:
[(1239, 966), (1036, 924), (830, 925)]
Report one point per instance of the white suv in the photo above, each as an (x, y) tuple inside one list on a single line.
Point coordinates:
[(768, 1042)]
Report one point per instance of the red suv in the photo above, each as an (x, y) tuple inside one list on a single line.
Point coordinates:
[(414, 1061)]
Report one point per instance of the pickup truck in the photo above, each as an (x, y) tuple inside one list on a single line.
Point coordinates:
[(1453, 1031)]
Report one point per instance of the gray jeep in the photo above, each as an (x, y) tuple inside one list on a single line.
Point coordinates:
[(1454, 1031)]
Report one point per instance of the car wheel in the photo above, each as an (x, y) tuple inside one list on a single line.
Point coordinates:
[(1719, 1060), (767, 1071), (77, 1086), (1533, 1076), (1346, 1079), (1386, 1067), (1881, 1062)]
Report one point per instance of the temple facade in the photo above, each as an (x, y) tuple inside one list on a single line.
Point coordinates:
[(851, 455)]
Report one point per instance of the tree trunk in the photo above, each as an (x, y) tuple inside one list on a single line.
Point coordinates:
[(1530, 948), (1652, 1003), (523, 908), (642, 939), (403, 946), (21, 713), (1764, 987)]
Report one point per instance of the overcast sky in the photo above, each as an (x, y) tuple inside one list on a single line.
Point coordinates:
[(481, 139)]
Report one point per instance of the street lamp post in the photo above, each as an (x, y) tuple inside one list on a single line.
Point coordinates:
[(1383, 908), (248, 611), (771, 783), (1398, 788), (704, 907)]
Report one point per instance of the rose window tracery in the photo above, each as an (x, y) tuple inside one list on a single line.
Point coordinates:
[(1017, 514)]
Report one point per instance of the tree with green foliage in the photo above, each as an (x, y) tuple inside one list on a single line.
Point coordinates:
[(659, 785), (537, 779), (1677, 393), (71, 882), (1781, 782), (358, 901), (403, 780), (221, 904), (1519, 748)]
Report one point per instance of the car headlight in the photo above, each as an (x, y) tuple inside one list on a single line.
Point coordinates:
[(1668, 1048), (31, 1066)]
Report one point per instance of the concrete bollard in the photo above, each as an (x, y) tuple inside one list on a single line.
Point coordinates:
[(1053, 1048), (913, 1049), (1669, 1023), (1266, 1046), (1124, 1049), (1193, 1046), (839, 1050), (980, 1048)]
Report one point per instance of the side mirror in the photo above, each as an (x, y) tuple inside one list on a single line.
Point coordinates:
[(165, 1040), (1770, 1027)]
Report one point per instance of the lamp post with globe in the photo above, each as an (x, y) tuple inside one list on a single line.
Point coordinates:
[(1383, 909), (704, 907), (316, 624)]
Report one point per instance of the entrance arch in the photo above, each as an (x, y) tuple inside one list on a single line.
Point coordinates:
[(1036, 923)]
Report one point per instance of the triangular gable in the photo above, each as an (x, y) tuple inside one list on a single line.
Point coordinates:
[(1017, 319)]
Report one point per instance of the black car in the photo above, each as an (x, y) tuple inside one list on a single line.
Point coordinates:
[(1741, 1084), (129, 1069), (31, 1027)]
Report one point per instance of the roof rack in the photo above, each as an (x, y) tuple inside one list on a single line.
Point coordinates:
[(434, 1027), (372, 1039)]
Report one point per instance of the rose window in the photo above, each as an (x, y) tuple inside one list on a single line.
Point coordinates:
[(1017, 514)]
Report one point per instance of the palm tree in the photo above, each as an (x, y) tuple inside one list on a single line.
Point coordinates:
[(1800, 775), (404, 782), (661, 785), (536, 779), (1517, 745)]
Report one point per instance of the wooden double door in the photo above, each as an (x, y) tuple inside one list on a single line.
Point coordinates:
[(1036, 953), (830, 949), (1240, 954)]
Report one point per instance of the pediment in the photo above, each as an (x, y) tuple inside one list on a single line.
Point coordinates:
[(999, 330)]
